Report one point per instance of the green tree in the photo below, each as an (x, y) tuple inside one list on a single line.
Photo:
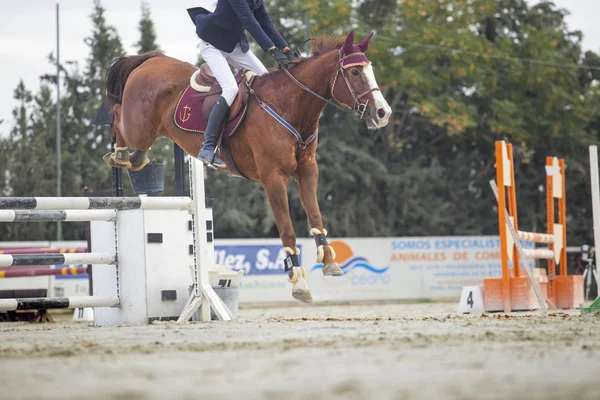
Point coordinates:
[(31, 145), (162, 149), (147, 40)]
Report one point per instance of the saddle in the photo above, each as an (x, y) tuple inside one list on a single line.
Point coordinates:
[(195, 104), (197, 101), (204, 82)]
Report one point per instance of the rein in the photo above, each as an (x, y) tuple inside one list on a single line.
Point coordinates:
[(357, 108), (318, 96)]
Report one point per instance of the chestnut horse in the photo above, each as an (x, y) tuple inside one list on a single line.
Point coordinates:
[(142, 93)]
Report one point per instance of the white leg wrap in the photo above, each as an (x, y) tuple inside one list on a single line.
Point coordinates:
[(297, 272), (300, 290), (294, 277), (321, 249), (290, 251), (320, 254), (315, 231)]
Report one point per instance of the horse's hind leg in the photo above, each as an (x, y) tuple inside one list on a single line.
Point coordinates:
[(120, 158), (139, 159)]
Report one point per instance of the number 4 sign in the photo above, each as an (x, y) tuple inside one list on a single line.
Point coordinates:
[(471, 300)]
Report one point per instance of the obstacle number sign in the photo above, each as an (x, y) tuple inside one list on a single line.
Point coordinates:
[(471, 300), (224, 282)]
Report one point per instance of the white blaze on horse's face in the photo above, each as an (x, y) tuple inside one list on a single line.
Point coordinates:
[(381, 111)]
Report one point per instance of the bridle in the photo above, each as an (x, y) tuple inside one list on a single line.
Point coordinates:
[(357, 107)]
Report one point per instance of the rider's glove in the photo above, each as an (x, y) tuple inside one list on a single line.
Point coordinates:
[(290, 55), (278, 55)]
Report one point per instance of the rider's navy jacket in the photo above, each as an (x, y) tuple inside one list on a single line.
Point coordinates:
[(224, 28)]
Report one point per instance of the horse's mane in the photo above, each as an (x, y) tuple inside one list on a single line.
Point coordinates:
[(326, 43)]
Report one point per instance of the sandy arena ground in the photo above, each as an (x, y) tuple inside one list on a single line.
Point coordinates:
[(375, 351)]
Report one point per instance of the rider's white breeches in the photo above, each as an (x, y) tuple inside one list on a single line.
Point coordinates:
[(219, 61)]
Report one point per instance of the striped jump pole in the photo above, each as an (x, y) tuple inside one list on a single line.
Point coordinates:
[(57, 215), (44, 272), (58, 302), (535, 237), (96, 203), (42, 250), (539, 254), (8, 260)]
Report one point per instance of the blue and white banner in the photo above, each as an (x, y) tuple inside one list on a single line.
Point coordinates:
[(374, 268), (265, 259)]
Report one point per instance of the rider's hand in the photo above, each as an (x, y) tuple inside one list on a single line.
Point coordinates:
[(278, 55), (290, 54)]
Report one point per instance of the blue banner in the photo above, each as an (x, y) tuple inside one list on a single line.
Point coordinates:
[(253, 259)]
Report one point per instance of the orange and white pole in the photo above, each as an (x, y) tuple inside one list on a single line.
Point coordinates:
[(562, 219), (512, 208), (500, 175), (550, 226)]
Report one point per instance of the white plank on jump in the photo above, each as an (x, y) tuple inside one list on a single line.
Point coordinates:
[(58, 302), (9, 260), (96, 203), (57, 215)]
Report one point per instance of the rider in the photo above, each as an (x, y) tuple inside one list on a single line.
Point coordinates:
[(224, 42)]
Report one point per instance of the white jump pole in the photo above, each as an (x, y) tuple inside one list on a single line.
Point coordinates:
[(203, 296), (595, 200)]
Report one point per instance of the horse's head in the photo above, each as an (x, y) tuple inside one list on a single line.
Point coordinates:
[(355, 84)]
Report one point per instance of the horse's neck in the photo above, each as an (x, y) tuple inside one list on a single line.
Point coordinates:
[(297, 106)]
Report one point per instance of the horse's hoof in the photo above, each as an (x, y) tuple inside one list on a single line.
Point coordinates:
[(114, 162), (332, 270), (300, 291), (302, 295), (136, 168)]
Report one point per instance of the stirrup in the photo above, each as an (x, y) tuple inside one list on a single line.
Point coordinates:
[(211, 162)]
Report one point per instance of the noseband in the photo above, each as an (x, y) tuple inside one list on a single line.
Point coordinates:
[(357, 107)]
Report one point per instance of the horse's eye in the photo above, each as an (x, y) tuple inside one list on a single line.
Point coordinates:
[(355, 72)]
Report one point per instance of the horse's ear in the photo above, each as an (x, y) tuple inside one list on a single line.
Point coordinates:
[(364, 45), (348, 43)]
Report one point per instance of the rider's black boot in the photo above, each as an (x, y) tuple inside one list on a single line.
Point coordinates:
[(216, 119)]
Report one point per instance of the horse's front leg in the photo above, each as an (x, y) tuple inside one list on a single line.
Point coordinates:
[(275, 185), (307, 176)]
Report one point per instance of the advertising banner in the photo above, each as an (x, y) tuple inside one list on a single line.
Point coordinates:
[(374, 268)]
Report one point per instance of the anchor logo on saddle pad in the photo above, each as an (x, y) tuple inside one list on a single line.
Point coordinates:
[(185, 116)]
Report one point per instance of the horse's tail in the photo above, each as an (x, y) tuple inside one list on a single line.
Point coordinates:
[(119, 72)]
